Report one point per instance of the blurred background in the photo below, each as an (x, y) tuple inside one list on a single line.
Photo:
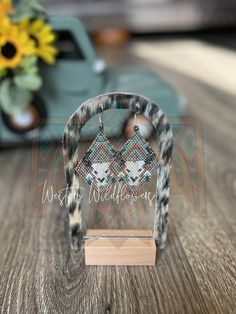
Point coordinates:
[(146, 47), (148, 16)]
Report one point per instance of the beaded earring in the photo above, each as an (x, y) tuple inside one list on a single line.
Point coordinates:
[(95, 166), (135, 162)]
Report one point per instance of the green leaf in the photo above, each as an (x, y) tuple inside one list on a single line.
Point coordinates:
[(38, 8), (27, 62), (3, 72), (27, 8), (28, 65), (21, 13), (12, 98), (32, 70), (28, 81)]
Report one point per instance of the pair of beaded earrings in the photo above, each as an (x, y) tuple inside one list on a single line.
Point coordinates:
[(132, 165)]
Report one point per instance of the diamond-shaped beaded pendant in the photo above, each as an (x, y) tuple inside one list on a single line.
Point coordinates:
[(135, 162), (95, 166)]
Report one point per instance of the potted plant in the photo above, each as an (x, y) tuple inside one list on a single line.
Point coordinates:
[(26, 39)]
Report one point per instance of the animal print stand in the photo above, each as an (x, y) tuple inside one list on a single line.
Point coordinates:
[(118, 247)]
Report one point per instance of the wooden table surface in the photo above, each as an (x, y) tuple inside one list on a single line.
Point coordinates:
[(196, 272)]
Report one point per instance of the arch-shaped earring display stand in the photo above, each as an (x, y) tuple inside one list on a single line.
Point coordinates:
[(163, 137)]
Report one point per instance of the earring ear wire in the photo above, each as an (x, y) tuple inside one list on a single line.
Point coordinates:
[(100, 116), (135, 116)]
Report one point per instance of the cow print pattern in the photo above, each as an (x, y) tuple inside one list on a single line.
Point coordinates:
[(164, 140)]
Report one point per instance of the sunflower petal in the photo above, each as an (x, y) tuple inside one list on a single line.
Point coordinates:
[(48, 38), (36, 25), (47, 57)]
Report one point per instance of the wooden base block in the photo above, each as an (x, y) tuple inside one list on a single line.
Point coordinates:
[(119, 247)]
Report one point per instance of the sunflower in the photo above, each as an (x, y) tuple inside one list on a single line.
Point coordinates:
[(4, 23), (14, 44), (43, 37), (5, 7)]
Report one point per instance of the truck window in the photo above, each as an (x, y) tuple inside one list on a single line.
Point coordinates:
[(67, 46)]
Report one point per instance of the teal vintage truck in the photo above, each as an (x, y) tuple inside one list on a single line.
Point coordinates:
[(77, 76)]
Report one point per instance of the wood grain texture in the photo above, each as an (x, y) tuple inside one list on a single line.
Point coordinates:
[(195, 273), (119, 247), (127, 252), (118, 233)]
